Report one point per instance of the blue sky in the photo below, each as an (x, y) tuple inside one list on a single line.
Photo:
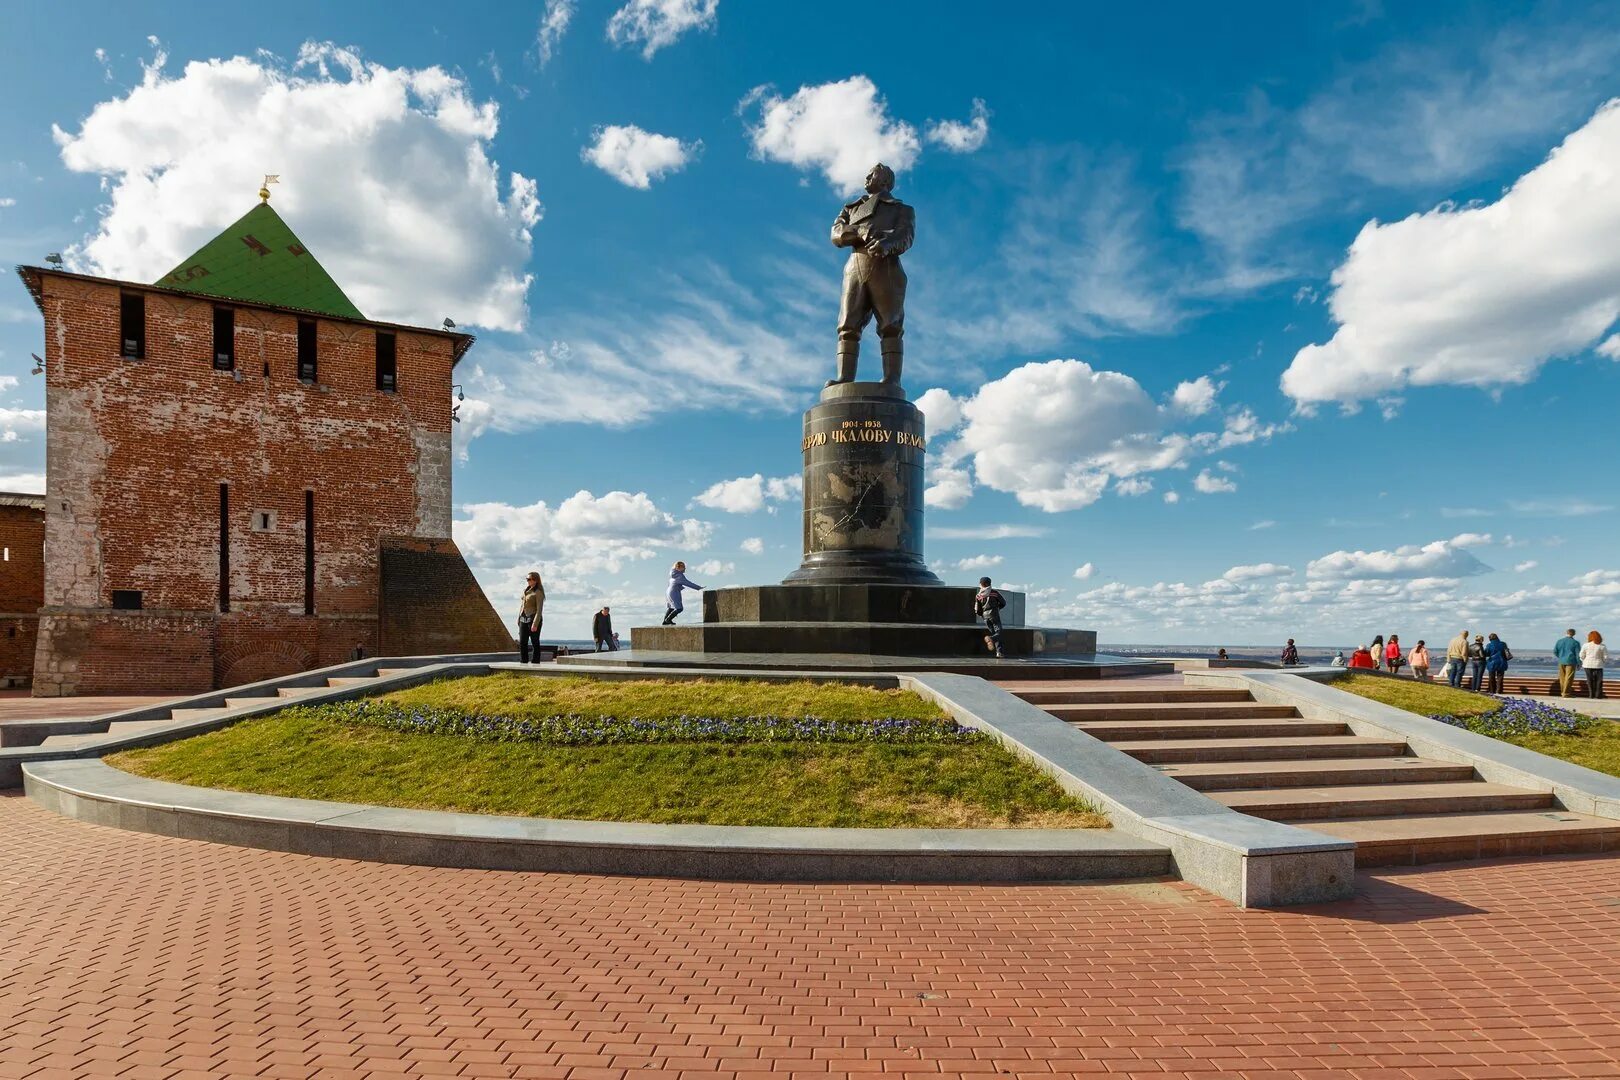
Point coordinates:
[(1231, 323)]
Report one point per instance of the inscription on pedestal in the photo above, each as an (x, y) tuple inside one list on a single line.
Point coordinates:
[(863, 493)]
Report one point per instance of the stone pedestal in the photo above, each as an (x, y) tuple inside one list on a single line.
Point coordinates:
[(863, 450)]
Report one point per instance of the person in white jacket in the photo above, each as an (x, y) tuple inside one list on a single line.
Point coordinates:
[(1594, 654)]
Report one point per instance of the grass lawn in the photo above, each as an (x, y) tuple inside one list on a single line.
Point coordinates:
[(1595, 745), (315, 753), (531, 697), (1426, 699)]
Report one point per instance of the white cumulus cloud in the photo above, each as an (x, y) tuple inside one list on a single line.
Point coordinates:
[(754, 545), (385, 173), (1057, 434), (1210, 484), (1525, 567), (1258, 571), (1478, 295), (1195, 398), (653, 24), (977, 562), (961, 137), (1084, 572), (635, 157), (841, 128), (748, 494), (1441, 559)]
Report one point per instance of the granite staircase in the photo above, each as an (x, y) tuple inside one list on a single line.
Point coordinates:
[(118, 729), (1268, 761)]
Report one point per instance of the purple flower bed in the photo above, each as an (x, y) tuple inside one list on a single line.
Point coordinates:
[(1521, 716), (603, 730)]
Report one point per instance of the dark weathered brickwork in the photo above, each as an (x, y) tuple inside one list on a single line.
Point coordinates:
[(430, 602), (22, 583)]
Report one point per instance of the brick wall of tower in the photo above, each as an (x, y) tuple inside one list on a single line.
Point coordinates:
[(138, 450), (22, 587)]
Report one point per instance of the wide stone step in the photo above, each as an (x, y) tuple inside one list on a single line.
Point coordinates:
[(1378, 800), (299, 691), (1425, 838), (1156, 751), (1226, 775), (248, 702), (350, 680), (1132, 730), (1082, 696), (195, 714), (384, 672), (135, 727), (1175, 710), (68, 742)]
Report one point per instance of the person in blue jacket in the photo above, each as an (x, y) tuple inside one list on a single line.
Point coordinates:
[(1497, 656), (1568, 652), (677, 582)]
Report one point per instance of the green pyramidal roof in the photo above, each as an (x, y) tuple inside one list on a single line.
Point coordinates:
[(260, 260)]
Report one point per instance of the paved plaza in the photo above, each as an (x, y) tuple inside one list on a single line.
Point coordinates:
[(141, 956)]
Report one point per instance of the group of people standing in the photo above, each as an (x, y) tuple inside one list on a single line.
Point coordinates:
[(531, 616), (1590, 656), (1481, 660), (1389, 656), (532, 606)]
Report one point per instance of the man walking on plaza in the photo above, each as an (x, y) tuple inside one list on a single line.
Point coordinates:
[(1457, 660), (1568, 651), (602, 630)]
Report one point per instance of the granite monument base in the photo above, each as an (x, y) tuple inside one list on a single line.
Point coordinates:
[(887, 620)]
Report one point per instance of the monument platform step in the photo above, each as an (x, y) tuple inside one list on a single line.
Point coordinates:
[(1213, 776), (1087, 666), (937, 605), (1158, 751), (1378, 800), (1199, 728), (1425, 838), (889, 639)]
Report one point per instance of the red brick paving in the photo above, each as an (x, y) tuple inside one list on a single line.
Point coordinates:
[(141, 956)]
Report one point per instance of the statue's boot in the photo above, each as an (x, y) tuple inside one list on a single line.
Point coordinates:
[(849, 353), (892, 353)]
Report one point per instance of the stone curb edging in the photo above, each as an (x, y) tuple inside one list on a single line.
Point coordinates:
[(1575, 787), (97, 793), (1248, 860)]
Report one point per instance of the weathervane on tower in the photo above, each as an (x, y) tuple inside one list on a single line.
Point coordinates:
[(264, 189)]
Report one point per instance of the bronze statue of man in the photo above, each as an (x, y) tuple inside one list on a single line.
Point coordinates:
[(878, 228)]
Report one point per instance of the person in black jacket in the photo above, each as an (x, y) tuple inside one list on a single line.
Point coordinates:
[(987, 605), (602, 631)]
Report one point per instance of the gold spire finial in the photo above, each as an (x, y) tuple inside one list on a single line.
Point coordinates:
[(264, 191)]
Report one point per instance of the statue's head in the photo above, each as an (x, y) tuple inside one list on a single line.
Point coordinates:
[(881, 178)]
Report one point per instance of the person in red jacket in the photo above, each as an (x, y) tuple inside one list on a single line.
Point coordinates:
[(1362, 658)]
